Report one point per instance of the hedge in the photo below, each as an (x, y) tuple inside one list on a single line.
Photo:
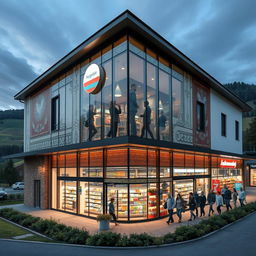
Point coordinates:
[(63, 233)]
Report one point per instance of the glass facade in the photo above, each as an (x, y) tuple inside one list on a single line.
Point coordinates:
[(139, 83), (138, 178)]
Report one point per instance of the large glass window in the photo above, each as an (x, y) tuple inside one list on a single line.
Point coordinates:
[(117, 163), (164, 106), (149, 113), (184, 187), (152, 159), (55, 114), (95, 194), (252, 177), (84, 164), (138, 201), (96, 163), (120, 194), (107, 98), (83, 197), (165, 164), (177, 98), (138, 163), (137, 93), (67, 196), (71, 164), (165, 189), (54, 188), (118, 108), (152, 201), (84, 107)]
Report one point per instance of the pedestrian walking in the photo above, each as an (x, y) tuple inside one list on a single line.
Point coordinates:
[(180, 206), (234, 197), (192, 206), (227, 198), (202, 202), (223, 190), (170, 207), (111, 210), (242, 197), (211, 198), (219, 202), (196, 196)]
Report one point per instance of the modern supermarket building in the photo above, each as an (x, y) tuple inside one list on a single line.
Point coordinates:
[(143, 122)]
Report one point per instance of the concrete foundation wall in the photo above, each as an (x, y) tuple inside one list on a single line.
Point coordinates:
[(36, 168)]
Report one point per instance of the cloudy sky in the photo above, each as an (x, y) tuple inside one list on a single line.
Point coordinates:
[(218, 35)]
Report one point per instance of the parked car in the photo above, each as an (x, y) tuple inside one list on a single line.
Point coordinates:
[(3, 194), (18, 185)]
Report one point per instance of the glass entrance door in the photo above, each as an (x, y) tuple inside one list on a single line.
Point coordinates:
[(120, 193)]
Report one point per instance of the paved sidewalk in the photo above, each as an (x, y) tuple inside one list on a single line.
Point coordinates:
[(156, 227)]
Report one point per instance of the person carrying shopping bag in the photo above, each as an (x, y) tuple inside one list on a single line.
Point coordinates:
[(170, 206), (219, 202), (180, 203)]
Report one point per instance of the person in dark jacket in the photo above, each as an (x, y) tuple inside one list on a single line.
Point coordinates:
[(202, 202), (192, 206), (196, 196), (115, 111), (111, 210), (227, 198), (211, 198), (90, 122), (133, 109), (146, 120)]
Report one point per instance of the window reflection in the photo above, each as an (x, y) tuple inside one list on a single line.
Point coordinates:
[(137, 93), (177, 99), (107, 97), (119, 106), (164, 106)]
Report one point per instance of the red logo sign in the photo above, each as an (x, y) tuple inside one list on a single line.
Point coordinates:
[(225, 163)]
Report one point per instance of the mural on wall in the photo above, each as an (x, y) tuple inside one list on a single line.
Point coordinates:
[(182, 123), (40, 114), (201, 94)]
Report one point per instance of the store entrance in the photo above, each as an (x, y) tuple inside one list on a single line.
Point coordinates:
[(120, 193)]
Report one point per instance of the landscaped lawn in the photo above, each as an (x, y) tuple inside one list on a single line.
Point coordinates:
[(8, 230), (10, 202)]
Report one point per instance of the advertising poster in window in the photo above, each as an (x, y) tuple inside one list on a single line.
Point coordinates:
[(216, 185), (40, 114), (201, 110)]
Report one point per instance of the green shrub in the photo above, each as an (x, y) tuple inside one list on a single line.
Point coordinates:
[(104, 239), (19, 196), (169, 238), (29, 220), (229, 217), (18, 217), (187, 233), (43, 226), (11, 196), (76, 236)]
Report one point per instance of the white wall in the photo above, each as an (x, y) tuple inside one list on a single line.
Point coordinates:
[(229, 143)]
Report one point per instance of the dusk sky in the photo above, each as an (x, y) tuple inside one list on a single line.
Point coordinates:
[(220, 36)]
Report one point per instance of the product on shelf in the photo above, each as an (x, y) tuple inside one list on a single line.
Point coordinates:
[(70, 195)]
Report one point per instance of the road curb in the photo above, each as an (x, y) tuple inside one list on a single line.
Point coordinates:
[(125, 248)]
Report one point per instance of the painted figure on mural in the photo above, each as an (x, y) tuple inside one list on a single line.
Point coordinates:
[(115, 111), (146, 120), (133, 109)]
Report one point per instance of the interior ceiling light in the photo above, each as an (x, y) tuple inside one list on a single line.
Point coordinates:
[(118, 92)]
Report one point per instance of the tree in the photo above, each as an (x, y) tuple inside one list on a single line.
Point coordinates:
[(10, 174)]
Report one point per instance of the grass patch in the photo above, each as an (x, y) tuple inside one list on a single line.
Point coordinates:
[(8, 230), (10, 202), (38, 239)]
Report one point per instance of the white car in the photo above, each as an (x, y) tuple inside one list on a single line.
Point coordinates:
[(18, 185)]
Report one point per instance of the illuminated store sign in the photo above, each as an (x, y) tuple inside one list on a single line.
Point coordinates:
[(94, 79), (227, 163)]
